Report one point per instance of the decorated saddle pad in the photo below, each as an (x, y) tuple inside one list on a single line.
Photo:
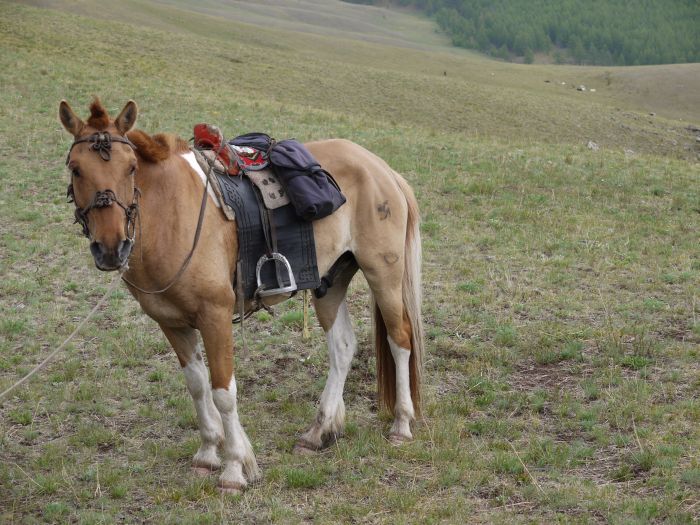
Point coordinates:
[(273, 193), (295, 238)]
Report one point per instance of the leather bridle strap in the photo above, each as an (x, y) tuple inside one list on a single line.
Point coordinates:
[(103, 199), (101, 142)]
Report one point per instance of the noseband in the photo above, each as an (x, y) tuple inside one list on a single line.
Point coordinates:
[(103, 199), (101, 142)]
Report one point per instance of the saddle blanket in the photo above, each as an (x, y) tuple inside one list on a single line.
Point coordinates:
[(241, 200)]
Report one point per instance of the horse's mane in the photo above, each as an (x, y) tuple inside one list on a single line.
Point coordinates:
[(154, 148), (99, 119), (158, 147)]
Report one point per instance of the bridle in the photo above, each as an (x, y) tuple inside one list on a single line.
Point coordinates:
[(101, 142)]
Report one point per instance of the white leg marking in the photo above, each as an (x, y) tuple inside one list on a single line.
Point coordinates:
[(210, 426), (239, 459), (403, 412), (330, 419)]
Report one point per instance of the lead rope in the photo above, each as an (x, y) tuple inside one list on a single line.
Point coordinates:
[(41, 365)]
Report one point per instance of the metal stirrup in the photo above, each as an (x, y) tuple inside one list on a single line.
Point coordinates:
[(275, 291)]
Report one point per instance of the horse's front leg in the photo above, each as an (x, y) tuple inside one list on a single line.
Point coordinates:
[(189, 353), (240, 466)]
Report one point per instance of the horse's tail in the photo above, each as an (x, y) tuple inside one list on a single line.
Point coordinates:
[(411, 295)]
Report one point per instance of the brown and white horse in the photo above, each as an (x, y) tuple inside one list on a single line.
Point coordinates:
[(117, 173)]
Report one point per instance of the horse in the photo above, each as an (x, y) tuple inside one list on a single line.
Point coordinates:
[(138, 199)]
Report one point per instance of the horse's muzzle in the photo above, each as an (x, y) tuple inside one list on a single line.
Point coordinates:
[(109, 260)]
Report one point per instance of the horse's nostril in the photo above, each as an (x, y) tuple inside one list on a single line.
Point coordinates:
[(96, 249), (124, 249)]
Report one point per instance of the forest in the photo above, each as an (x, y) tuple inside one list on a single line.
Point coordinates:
[(600, 32)]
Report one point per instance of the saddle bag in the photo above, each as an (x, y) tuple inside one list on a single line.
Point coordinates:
[(259, 141), (311, 189)]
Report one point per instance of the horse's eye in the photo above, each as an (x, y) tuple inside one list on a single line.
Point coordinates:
[(132, 171), (75, 172)]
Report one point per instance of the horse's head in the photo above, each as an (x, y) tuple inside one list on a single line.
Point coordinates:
[(102, 165)]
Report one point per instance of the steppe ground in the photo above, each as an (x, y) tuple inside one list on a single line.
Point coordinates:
[(561, 282)]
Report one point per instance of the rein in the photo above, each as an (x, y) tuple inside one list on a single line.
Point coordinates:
[(187, 260)]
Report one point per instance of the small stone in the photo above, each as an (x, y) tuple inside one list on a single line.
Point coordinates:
[(581, 88), (592, 146)]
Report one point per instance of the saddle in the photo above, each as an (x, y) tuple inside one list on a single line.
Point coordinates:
[(251, 177)]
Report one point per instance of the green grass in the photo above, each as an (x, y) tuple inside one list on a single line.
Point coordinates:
[(560, 290)]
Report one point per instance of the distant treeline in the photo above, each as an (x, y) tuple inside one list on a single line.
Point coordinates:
[(603, 32)]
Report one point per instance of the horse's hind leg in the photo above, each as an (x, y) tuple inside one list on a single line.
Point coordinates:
[(403, 410), (189, 353), (332, 311), (391, 321)]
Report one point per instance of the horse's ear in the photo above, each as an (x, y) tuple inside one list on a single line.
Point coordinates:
[(127, 118), (69, 119)]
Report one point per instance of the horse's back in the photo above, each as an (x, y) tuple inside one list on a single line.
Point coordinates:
[(373, 221), (346, 160)]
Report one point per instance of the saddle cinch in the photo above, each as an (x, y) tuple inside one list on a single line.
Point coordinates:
[(273, 190)]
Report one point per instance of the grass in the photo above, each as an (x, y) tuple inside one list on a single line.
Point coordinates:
[(560, 290)]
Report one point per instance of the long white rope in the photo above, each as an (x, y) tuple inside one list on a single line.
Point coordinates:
[(41, 365)]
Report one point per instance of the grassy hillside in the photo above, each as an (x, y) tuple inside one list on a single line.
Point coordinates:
[(452, 91), (560, 284), (326, 17)]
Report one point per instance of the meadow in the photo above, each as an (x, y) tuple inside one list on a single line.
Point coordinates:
[(561, 305)]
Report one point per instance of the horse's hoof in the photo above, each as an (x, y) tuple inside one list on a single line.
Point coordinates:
[(398, 439), (230, 487), (304, 450), (202, 471)]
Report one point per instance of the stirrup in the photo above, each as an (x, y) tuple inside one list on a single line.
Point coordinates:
[(275, 291)]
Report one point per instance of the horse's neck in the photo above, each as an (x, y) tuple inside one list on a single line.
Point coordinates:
[(168, 208)]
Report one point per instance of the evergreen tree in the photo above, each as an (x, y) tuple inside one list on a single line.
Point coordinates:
[(610, 32)]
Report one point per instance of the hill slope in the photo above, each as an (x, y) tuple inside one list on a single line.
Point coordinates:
[(560, 286), (440, 90)]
